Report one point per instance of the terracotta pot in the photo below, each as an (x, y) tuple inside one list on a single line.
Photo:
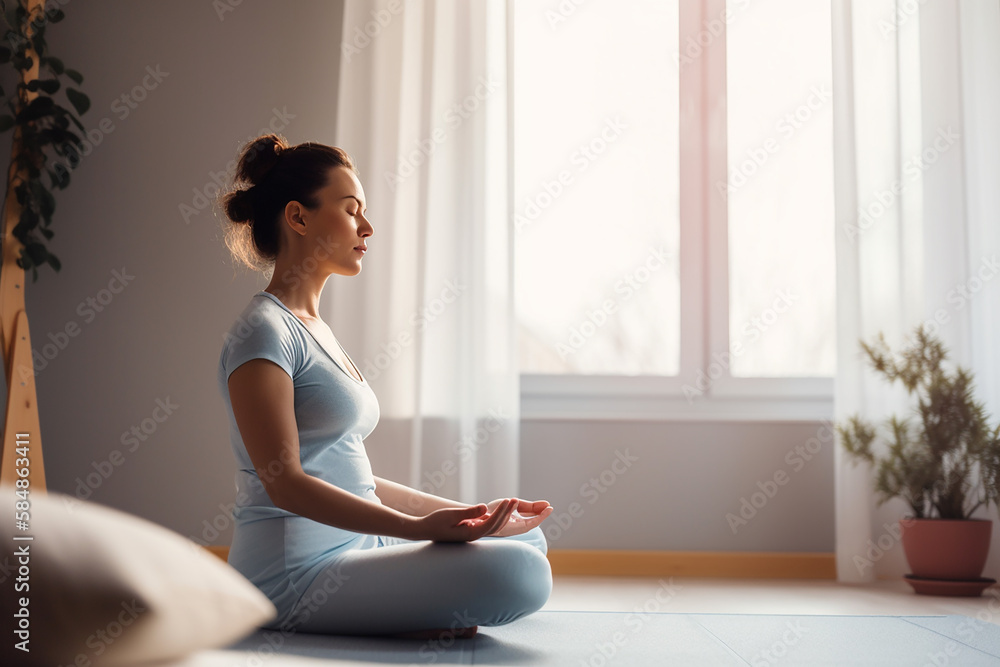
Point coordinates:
[(952, 549)]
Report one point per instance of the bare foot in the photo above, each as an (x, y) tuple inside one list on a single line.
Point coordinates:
[(454, 633)]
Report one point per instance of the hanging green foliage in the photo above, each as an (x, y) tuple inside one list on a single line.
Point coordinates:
[(45, 130)]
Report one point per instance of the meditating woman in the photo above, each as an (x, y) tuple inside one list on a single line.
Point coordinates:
[(336, 549)]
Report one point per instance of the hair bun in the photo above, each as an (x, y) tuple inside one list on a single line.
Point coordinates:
[(259, 157), (240, 206)]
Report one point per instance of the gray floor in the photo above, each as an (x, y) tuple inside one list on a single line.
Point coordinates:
[(758, 596), (640, 639), (681, 621)]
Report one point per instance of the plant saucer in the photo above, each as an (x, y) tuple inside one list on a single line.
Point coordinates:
[(971, 588)]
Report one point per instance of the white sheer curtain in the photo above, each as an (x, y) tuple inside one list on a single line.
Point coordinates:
[(917, 168), (422, 109)]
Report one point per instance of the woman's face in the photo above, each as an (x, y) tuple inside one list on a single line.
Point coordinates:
[(337, 228)]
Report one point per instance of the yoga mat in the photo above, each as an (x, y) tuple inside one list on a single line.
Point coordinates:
[(601, 639)]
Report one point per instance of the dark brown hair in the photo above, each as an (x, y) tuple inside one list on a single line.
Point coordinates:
[(272, 174)]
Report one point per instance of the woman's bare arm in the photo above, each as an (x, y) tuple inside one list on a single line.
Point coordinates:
[(409, 500), (263, 400)]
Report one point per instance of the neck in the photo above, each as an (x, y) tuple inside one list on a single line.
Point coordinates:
[(297, 288)]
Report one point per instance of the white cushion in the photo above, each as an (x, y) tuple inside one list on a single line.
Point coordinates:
[(105, 587)]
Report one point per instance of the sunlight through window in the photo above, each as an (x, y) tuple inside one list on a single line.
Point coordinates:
[(780, 188), (596, 187)]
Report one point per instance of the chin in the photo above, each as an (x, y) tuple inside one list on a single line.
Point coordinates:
[(348, 270)]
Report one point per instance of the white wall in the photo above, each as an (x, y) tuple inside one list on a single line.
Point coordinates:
[(160, 337), (681, 486)]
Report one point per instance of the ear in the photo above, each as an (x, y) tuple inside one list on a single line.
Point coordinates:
[(295, 217)]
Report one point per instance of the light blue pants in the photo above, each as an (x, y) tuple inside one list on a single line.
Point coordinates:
[(403, 586)]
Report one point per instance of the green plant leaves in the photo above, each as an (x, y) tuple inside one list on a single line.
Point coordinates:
[(48, 143), (45, 203), (945, 463), (61, 139), (36, 252), (54, 64), (79, 101), (49, 86), (59, 178)]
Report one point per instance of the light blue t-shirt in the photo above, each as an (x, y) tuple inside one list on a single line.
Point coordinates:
[(277, 550)]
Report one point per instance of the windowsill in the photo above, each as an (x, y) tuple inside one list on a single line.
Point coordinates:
[(648, 398)]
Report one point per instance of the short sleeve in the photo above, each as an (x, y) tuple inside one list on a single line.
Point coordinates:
[(267, 338)]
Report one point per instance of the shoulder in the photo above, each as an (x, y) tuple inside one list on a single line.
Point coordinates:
[(262, 330), (261, 318)]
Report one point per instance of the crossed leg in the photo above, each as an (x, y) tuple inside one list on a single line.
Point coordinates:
[(408, 587)]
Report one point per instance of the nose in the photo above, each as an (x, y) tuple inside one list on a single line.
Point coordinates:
[(366, 230)]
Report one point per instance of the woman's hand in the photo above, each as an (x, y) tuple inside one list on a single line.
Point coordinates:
[(526, 515), (465, 524)]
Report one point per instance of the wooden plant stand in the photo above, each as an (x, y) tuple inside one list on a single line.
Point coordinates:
[(21, 429)]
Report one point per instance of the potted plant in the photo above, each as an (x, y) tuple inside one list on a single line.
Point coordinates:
[(944, 461)]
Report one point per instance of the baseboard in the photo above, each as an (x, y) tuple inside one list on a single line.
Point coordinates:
[(723, 564)]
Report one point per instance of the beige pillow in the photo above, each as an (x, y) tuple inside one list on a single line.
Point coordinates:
[(103, 587)]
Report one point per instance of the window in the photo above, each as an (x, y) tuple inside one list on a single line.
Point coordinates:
[(673, 190), (780, 188), (596, 188)]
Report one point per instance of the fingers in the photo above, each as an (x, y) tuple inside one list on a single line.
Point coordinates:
[(522, 506), (543, 513), (500, 516), (531, 506), (495, 518), (540, 506), (537, 519), (474, 511), (471, 516)]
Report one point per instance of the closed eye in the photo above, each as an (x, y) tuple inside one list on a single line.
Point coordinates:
[(358, 201)]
